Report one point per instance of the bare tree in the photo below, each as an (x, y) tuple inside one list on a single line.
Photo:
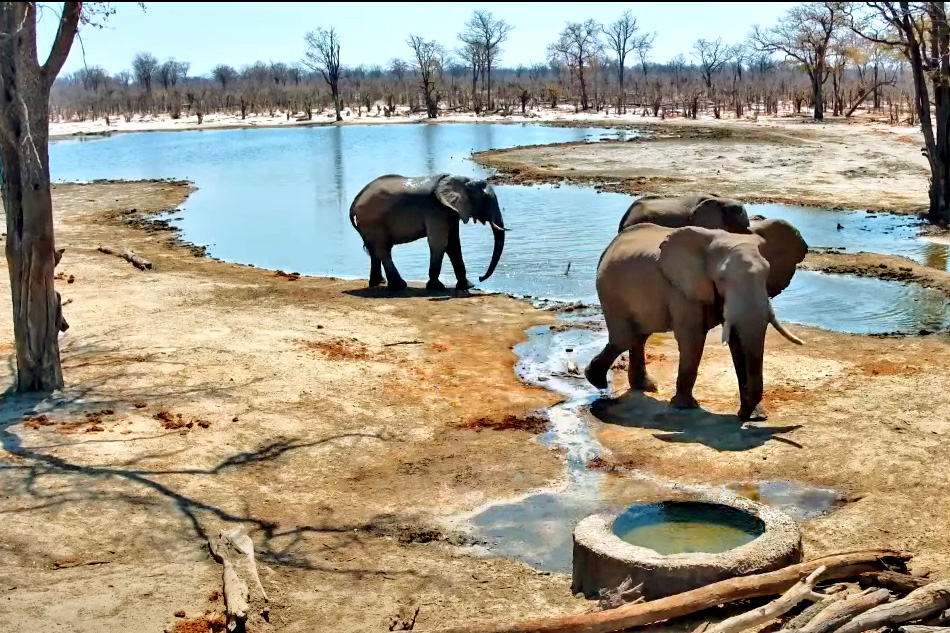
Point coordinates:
[(473, 56), (145, 67), (487, 33), (577, 45), (224, 75), (804, 34), (712, 56), (24, 164), (428, 57), (171, 72), (622, 39), (921, 32), (323, 54)]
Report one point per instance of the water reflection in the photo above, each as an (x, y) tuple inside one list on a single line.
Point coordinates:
[(935, 255)]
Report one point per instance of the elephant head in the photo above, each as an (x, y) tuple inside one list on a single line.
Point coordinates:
[(737, 275), (715, 212), (474, 200)]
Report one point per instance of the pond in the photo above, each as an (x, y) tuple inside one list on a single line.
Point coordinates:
[(279, 199)]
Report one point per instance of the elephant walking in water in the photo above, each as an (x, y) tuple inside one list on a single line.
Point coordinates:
[(689, 280), (705, 210), (395, 209)]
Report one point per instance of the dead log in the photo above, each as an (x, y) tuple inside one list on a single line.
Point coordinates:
[(136, 260), (628, 616), (917, 628), (236, 594), (811, 611), (624, 593), (901, 584), (918, 604), (843, 611), (243, 544), (802, 590)]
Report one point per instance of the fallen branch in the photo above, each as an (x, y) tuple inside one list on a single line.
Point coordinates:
[(624, 593), (916, 628), (898, 583), (838, 566), (802, 590), (236, 594), (245, 546), (136, 260), (838, 613), (402, 343), (811, 611), (916, 605)]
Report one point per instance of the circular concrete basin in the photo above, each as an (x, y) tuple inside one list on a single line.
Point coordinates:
[(703, 539)]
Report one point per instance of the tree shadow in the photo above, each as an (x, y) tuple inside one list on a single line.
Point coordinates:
[(380, 292), (721, 432)]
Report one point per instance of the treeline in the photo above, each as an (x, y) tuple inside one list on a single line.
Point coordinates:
[(591, 67)]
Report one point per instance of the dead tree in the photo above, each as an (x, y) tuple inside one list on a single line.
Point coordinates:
[(622, 38), (24, 165), (427, 55), (323, 54), (486, 34)]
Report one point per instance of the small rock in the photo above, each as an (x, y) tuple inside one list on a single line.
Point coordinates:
[(180, 613)]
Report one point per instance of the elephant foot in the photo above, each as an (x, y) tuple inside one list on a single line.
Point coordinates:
[(757, 414), (435, 284), (596, 377), (464, 284), (396, 285), (373, 283), (684, 402), (644, 384)]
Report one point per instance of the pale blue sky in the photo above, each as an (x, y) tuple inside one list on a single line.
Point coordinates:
[(239, 33)]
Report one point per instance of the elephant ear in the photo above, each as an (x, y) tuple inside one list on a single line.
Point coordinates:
[(683, 260), (784, 248), (453, 192)]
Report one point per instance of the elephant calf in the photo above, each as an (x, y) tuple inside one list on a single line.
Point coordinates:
[(705, 210), (394, 210), (688, 280)]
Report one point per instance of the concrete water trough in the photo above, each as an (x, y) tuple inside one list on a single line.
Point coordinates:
[(681, 544)]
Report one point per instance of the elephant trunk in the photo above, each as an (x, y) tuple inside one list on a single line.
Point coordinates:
[(499, 231)]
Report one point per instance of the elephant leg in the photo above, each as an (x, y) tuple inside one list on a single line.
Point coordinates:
[(747, 410), (437, 246), (637, 368), (596, 372), (394, 281), (375, 271), (690, 342), (454, 251)]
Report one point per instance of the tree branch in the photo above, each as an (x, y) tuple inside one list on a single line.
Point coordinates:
[(68, 27)]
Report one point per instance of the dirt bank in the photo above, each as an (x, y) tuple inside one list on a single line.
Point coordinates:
[(848, 164), (886, 267), (329, 422)]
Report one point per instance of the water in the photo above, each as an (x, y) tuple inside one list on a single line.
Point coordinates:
[(682, 528), (538, 528), (279, 199)]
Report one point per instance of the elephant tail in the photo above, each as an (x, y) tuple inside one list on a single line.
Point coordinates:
[(353, 222)]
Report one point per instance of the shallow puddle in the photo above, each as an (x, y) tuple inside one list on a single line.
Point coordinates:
[(538, 528)]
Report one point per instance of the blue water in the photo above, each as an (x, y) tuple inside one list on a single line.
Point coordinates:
[(279, 199)]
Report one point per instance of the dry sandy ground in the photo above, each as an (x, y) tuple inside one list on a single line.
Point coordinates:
[(328, 446), (852, 164), (339, 452)]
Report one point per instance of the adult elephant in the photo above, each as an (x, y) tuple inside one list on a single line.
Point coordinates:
[(688, 280), (396, 209), (705, 210)]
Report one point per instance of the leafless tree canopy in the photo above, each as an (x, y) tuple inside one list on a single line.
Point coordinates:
[(577, 48), (484, 35), (145, 68), (623, 38), (428, 58), (323, 55)]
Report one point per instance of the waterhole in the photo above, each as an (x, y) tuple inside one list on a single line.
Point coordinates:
[(687, 527), (279, 199)]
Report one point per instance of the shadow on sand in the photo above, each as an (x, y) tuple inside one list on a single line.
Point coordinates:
[(721, 432), (381, 292)]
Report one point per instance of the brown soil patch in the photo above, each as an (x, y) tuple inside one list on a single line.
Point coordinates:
[(888, 368), (530, 423), (340, 349), (208, 623), (878, 266)]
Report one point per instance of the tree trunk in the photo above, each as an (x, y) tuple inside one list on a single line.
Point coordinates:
[(580, 77), (334, 88), (817, 96)]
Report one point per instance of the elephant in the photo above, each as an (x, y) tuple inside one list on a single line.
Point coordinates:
[(706, 210), (688, 280), (395, 209)]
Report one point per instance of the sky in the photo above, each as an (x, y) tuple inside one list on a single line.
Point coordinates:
[(239, 33)]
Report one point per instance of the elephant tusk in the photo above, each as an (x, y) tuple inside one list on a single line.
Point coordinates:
[(781, 330), (725, 332), (498, 228)]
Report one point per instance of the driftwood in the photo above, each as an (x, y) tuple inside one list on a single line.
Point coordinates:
[(811, 611), (916, 628), (245, 546), (236, 594), (898, 583), (136, 260), (802, 590), (772, 583), (624, 593), (838, 613), (916, 605)]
